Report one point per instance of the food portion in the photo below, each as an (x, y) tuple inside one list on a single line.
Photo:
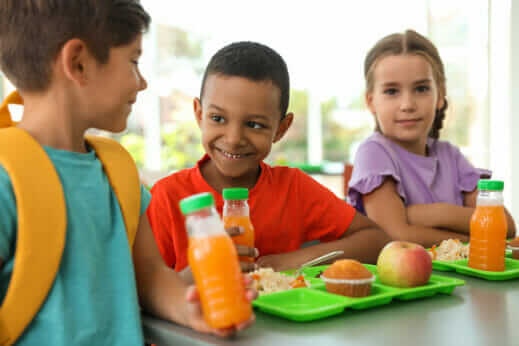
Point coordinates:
[(514, 246), (404, 264), (449, 250), (348, 278), (266, 280)]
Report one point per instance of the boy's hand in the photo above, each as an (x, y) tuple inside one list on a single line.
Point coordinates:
[(195, 319), (279, 262), (243, 250)]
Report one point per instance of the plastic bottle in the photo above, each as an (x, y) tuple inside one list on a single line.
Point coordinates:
[(488, 228), (236, 213), (214, 263)]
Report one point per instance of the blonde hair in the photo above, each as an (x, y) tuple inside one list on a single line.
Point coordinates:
[(411, 43)]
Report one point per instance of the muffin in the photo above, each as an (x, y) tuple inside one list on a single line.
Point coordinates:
[(348, 278), (514, 246)]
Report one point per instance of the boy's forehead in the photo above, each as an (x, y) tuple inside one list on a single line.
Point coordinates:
[(226, 91)]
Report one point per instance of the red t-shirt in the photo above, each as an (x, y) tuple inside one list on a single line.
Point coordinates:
[(287, 209)]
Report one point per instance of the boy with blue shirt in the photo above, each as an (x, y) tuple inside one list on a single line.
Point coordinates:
[(83, 73)]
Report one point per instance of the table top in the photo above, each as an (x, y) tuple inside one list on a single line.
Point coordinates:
[(479, 313)]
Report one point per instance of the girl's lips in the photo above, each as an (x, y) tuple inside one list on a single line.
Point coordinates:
[(408, 121)]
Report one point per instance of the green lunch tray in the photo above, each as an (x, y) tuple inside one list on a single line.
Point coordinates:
[(461, 266), (314, 302), (446, 266)]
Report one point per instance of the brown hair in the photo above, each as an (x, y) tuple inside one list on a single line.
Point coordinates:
[(32, 32), (410, 42)]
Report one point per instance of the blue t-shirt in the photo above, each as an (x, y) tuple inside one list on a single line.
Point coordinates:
[(94, 298)]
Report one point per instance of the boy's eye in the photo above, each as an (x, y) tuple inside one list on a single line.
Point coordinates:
[(390, 91), (255, 125), (217, 118)]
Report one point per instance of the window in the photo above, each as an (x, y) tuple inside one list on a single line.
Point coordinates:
[(324, 45)]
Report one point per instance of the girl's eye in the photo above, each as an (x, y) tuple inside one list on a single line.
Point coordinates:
[(423, 88), (390, 91), (135, 62), (255, 125), (217, 118)]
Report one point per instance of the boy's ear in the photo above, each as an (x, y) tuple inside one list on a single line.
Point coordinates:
[(283, 126), (197, 108), (74, 58)]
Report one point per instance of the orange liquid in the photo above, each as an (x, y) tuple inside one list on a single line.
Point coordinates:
[(247, 238), (488, 228), (217, 273)]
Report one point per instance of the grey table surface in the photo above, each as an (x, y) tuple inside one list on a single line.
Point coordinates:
[(479, 313)]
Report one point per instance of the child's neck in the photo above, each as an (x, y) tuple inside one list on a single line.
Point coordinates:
[(418, 147), (218, 181), (49, 120)]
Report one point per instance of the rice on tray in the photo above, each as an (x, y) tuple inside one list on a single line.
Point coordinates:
[(449, 250), (266, 280)]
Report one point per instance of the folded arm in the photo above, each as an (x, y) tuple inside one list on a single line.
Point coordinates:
[(362, 241), (448, 216), (386, 208)]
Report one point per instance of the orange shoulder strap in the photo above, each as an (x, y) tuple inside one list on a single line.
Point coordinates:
[(14, 98), (124, 179), (41, 229)]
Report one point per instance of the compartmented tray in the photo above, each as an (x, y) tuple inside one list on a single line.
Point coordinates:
[(314, 302), (461, 266), (447, 266)]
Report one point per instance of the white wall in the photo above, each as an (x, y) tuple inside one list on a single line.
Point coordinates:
[(513, 129), (504, 97)]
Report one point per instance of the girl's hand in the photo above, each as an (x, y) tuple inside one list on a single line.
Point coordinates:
[(195, 319), (244, 251)]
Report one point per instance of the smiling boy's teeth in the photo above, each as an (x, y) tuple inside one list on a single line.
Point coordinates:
[(231, 156)]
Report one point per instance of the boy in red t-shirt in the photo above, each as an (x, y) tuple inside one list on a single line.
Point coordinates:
[(242, 111)]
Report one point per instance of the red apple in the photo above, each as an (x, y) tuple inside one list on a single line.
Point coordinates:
[(404, 264)]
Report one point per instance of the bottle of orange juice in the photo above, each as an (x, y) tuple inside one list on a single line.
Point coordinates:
[(488, 228), (214, 263), (236, 213)]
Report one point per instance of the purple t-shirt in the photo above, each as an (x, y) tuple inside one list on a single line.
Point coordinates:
[(441, 176)]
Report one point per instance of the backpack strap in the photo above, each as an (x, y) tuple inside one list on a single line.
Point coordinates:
[(5, 116), (123, 175), (41, 227)]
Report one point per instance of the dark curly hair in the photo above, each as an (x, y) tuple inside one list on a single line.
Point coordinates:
[(410, 42), (253, 61)]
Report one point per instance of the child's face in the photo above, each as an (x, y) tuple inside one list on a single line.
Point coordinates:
[(114, 87), (239, 119), (404, 98)]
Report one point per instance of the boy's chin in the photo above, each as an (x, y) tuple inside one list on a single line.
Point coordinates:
[(115, 128), (235, 173)]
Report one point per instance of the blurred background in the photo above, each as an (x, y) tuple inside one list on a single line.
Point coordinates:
[(324, 44)]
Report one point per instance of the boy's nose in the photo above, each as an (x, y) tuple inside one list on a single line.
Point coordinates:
[(233, 135), (143, 84)]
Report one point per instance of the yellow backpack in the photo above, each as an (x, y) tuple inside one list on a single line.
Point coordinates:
[(41, 231)]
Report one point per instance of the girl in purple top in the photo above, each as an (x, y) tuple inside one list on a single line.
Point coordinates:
[(416, 187)]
